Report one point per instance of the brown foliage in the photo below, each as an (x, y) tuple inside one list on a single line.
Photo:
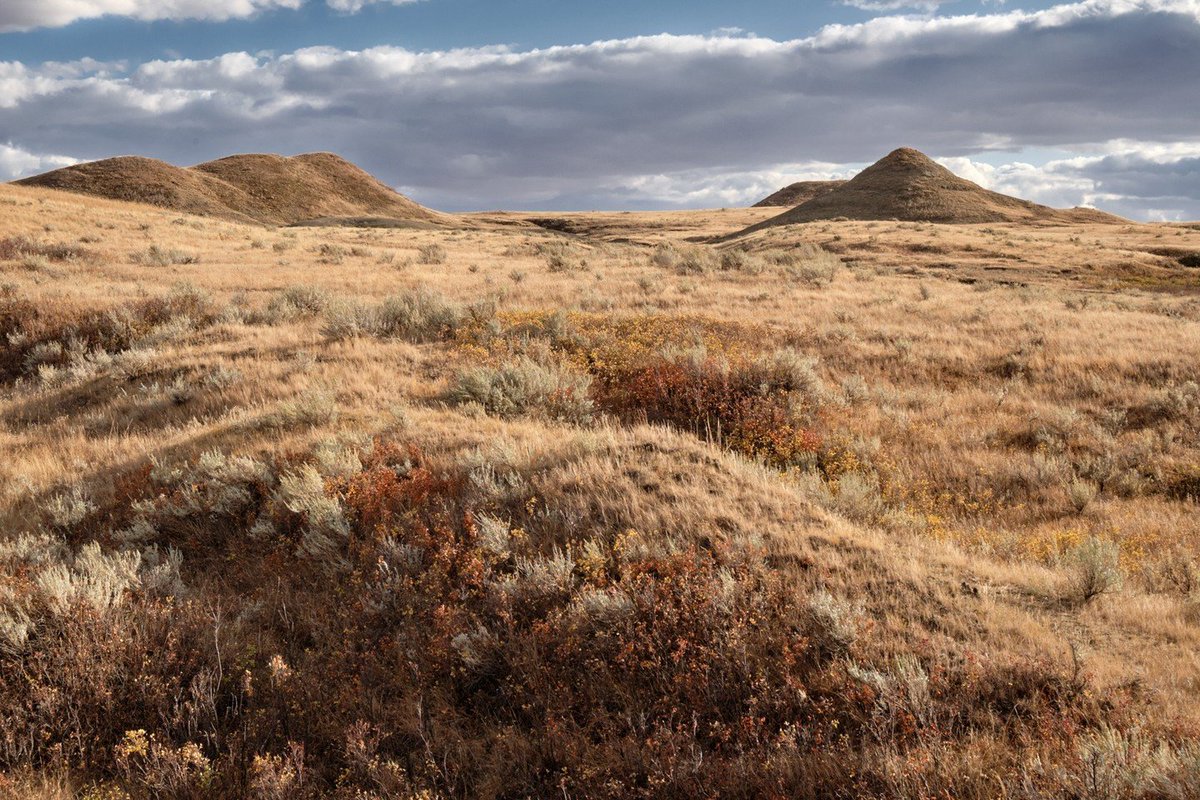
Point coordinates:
[(743, 405), (27, 327), (425, 661), (13, 247)]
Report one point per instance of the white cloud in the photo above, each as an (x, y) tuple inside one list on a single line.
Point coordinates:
[(16, 163), (17, 15), (716, 188), (1144, 181), (354, 6), (1140, 180), (927, 6), (22, 15), (618, 122), (1049, 184)]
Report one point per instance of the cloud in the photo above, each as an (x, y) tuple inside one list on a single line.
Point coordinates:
[(354, 6), (15, 162), (18, 15), (1139, 181), (23, 15), (700, 188), (1147, 182), (1143, 181), (600, 123), (1050, 184), (927, 6)]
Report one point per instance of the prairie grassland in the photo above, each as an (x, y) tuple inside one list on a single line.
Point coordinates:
[(845, 509)]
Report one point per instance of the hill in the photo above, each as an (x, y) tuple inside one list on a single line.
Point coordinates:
[(268, 189), (909, 186), (797, 193)]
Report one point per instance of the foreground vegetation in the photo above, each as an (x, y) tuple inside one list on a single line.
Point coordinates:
[(496, 512)]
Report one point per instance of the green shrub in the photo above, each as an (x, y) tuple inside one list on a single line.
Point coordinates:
[(332, 254), (298, 301), (156, 256), (15, 248), (348, 320), (695, 261), (665, 255), (431, 254), (810, 264), (1081, 493), (684, 259), (1095, 569), (40, 339), (741, 261), (418, 316), (858, 498), (525, 387)]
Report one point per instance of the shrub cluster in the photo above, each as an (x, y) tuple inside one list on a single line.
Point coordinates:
[(156, 256), (525, 386), (807, 263), (755, 406), (37, 337), (432, 253), (727, 387), (418, 315), (14, 248), (354, 624)]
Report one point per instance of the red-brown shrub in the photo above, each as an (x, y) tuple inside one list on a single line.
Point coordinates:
[(743, 404)]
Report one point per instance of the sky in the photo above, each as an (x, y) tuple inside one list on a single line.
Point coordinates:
[(622, 104)]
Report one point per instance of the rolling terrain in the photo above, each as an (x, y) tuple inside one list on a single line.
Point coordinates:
[(593, 505), (797, 193), (268, 189), (908, 186)]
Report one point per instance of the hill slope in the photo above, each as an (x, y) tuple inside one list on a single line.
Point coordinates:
[(147, 180), (907, 185), (269, 189), (797, 193)]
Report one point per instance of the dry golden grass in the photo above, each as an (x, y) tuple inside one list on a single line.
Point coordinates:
[(989, 398)]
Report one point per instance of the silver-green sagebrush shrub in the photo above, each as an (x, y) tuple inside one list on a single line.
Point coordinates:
[(526, 387), (325, 525), (418, 316), (1095, 569)]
